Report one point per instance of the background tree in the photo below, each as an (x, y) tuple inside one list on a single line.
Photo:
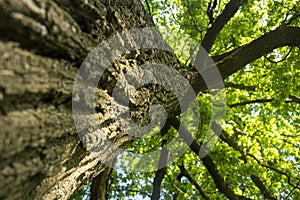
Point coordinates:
[(255, 45)]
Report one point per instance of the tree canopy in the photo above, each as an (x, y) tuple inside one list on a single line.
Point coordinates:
[(257, 155)]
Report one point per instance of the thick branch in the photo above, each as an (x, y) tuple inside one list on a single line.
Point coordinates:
[(218, 179), (237, 59), (99, 187), (212, 33), (231, 62), (159, 175)]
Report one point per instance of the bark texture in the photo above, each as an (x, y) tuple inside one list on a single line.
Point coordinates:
[(42, 45)]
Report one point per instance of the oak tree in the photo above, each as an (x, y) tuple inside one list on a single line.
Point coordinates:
[(255, 46)]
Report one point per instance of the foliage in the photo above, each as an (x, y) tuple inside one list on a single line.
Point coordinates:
[(82, 193), (263, 119)]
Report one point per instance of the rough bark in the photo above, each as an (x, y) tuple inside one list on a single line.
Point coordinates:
[(42, 44)]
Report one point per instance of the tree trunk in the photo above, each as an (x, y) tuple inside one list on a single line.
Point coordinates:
[(99, 187), (42, 44)]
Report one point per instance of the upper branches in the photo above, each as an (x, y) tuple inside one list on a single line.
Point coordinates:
[(212, 33), (233, 61), (210, 9), (238, 58)]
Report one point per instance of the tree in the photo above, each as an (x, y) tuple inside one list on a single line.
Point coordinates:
[(255, 48)]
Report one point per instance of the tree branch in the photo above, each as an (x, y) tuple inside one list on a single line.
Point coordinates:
[(174, 185), (159, 175), (210, 9), (190, 178), (218, 179), (235, 60), (226, 138), (162, 169), (193, 19), (99, 187), (281, 60), (240, 86), (293, 18), (212, 33), (123, 188), (250, 102), (208, 163), (231, 62), (232, 143), (291, 192), (264, 191), (292, 99), (148, 7), (276, 170)]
